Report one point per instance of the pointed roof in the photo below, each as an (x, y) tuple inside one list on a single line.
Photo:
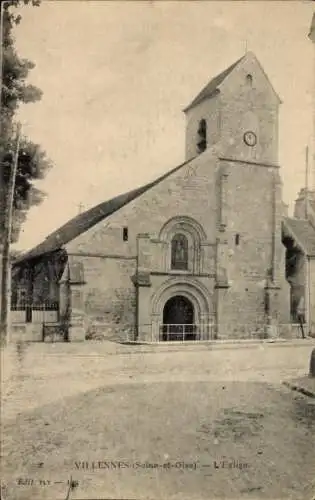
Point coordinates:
[(211, 88), (214, 85), (86, 220)]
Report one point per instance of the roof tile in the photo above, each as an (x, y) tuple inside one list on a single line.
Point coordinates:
[(84, 221)]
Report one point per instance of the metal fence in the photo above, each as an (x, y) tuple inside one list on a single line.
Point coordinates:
[(208, 332), (186, 332), (47, 312)]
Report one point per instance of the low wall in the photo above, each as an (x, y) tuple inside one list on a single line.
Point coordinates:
[(107, 331), (17, 316), (33, 332), (26, 332), (37, 316)]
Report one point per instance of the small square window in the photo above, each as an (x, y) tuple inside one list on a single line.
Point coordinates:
[(125, 234)]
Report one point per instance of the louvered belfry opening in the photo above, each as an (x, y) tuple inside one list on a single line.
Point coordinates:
[(202, 136)]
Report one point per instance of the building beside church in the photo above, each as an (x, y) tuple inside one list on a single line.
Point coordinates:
[(200, 253), (298, 236)]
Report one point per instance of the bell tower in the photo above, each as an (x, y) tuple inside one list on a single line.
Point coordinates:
[(238, 113)]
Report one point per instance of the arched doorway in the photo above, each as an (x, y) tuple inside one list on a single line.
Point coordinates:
[(178, 319)]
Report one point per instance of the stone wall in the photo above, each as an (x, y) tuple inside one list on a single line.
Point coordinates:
[(208, 110), (232, 192), (110, 263), (238, 107), (26, 332), (249, 105), (108, 296), (311, 269), (251, 249), (190, 191)]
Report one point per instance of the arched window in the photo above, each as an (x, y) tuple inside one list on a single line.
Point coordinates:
[(202, 136), (179, 258), (249, 80)]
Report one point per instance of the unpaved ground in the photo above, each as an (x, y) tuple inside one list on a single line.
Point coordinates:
[(198, 424)]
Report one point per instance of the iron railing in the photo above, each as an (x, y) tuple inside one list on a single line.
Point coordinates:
[(186, 332), (177, 332), (207, 332), (45, 312)]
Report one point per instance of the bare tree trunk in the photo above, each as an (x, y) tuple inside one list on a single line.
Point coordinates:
[(5, 282)]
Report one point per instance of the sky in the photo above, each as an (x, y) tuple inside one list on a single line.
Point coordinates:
[(116, 77)]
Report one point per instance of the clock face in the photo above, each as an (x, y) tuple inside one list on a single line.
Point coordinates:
[(250, 138)]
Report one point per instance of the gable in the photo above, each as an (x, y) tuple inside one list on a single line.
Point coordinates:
[(261, 84), (212, 87), (187, 192), (86, 220), (83, 223), (248, 63)]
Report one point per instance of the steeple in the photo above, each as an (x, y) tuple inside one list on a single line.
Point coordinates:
[(237, 112), (213, 86)]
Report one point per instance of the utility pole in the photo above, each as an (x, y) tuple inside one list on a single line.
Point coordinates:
[(3, 7), (2, 13), (306, 183), (310, 287), (311, 36), (5, 282)]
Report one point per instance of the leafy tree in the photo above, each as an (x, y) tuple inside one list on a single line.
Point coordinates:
[(33, 163)]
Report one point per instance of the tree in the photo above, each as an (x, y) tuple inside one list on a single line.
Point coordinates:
[(33, 163)]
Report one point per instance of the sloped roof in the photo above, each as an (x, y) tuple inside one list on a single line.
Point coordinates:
[(84, 221), (303, 232), (212, 86)]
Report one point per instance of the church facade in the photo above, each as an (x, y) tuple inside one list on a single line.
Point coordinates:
[(197, 254)]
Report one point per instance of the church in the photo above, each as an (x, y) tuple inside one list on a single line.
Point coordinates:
[(199, 254)]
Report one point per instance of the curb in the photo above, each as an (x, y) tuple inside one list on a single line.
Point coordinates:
[(219, 342), (211, 345), (300, 389)]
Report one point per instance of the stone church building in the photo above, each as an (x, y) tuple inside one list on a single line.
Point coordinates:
[(197, 254)]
